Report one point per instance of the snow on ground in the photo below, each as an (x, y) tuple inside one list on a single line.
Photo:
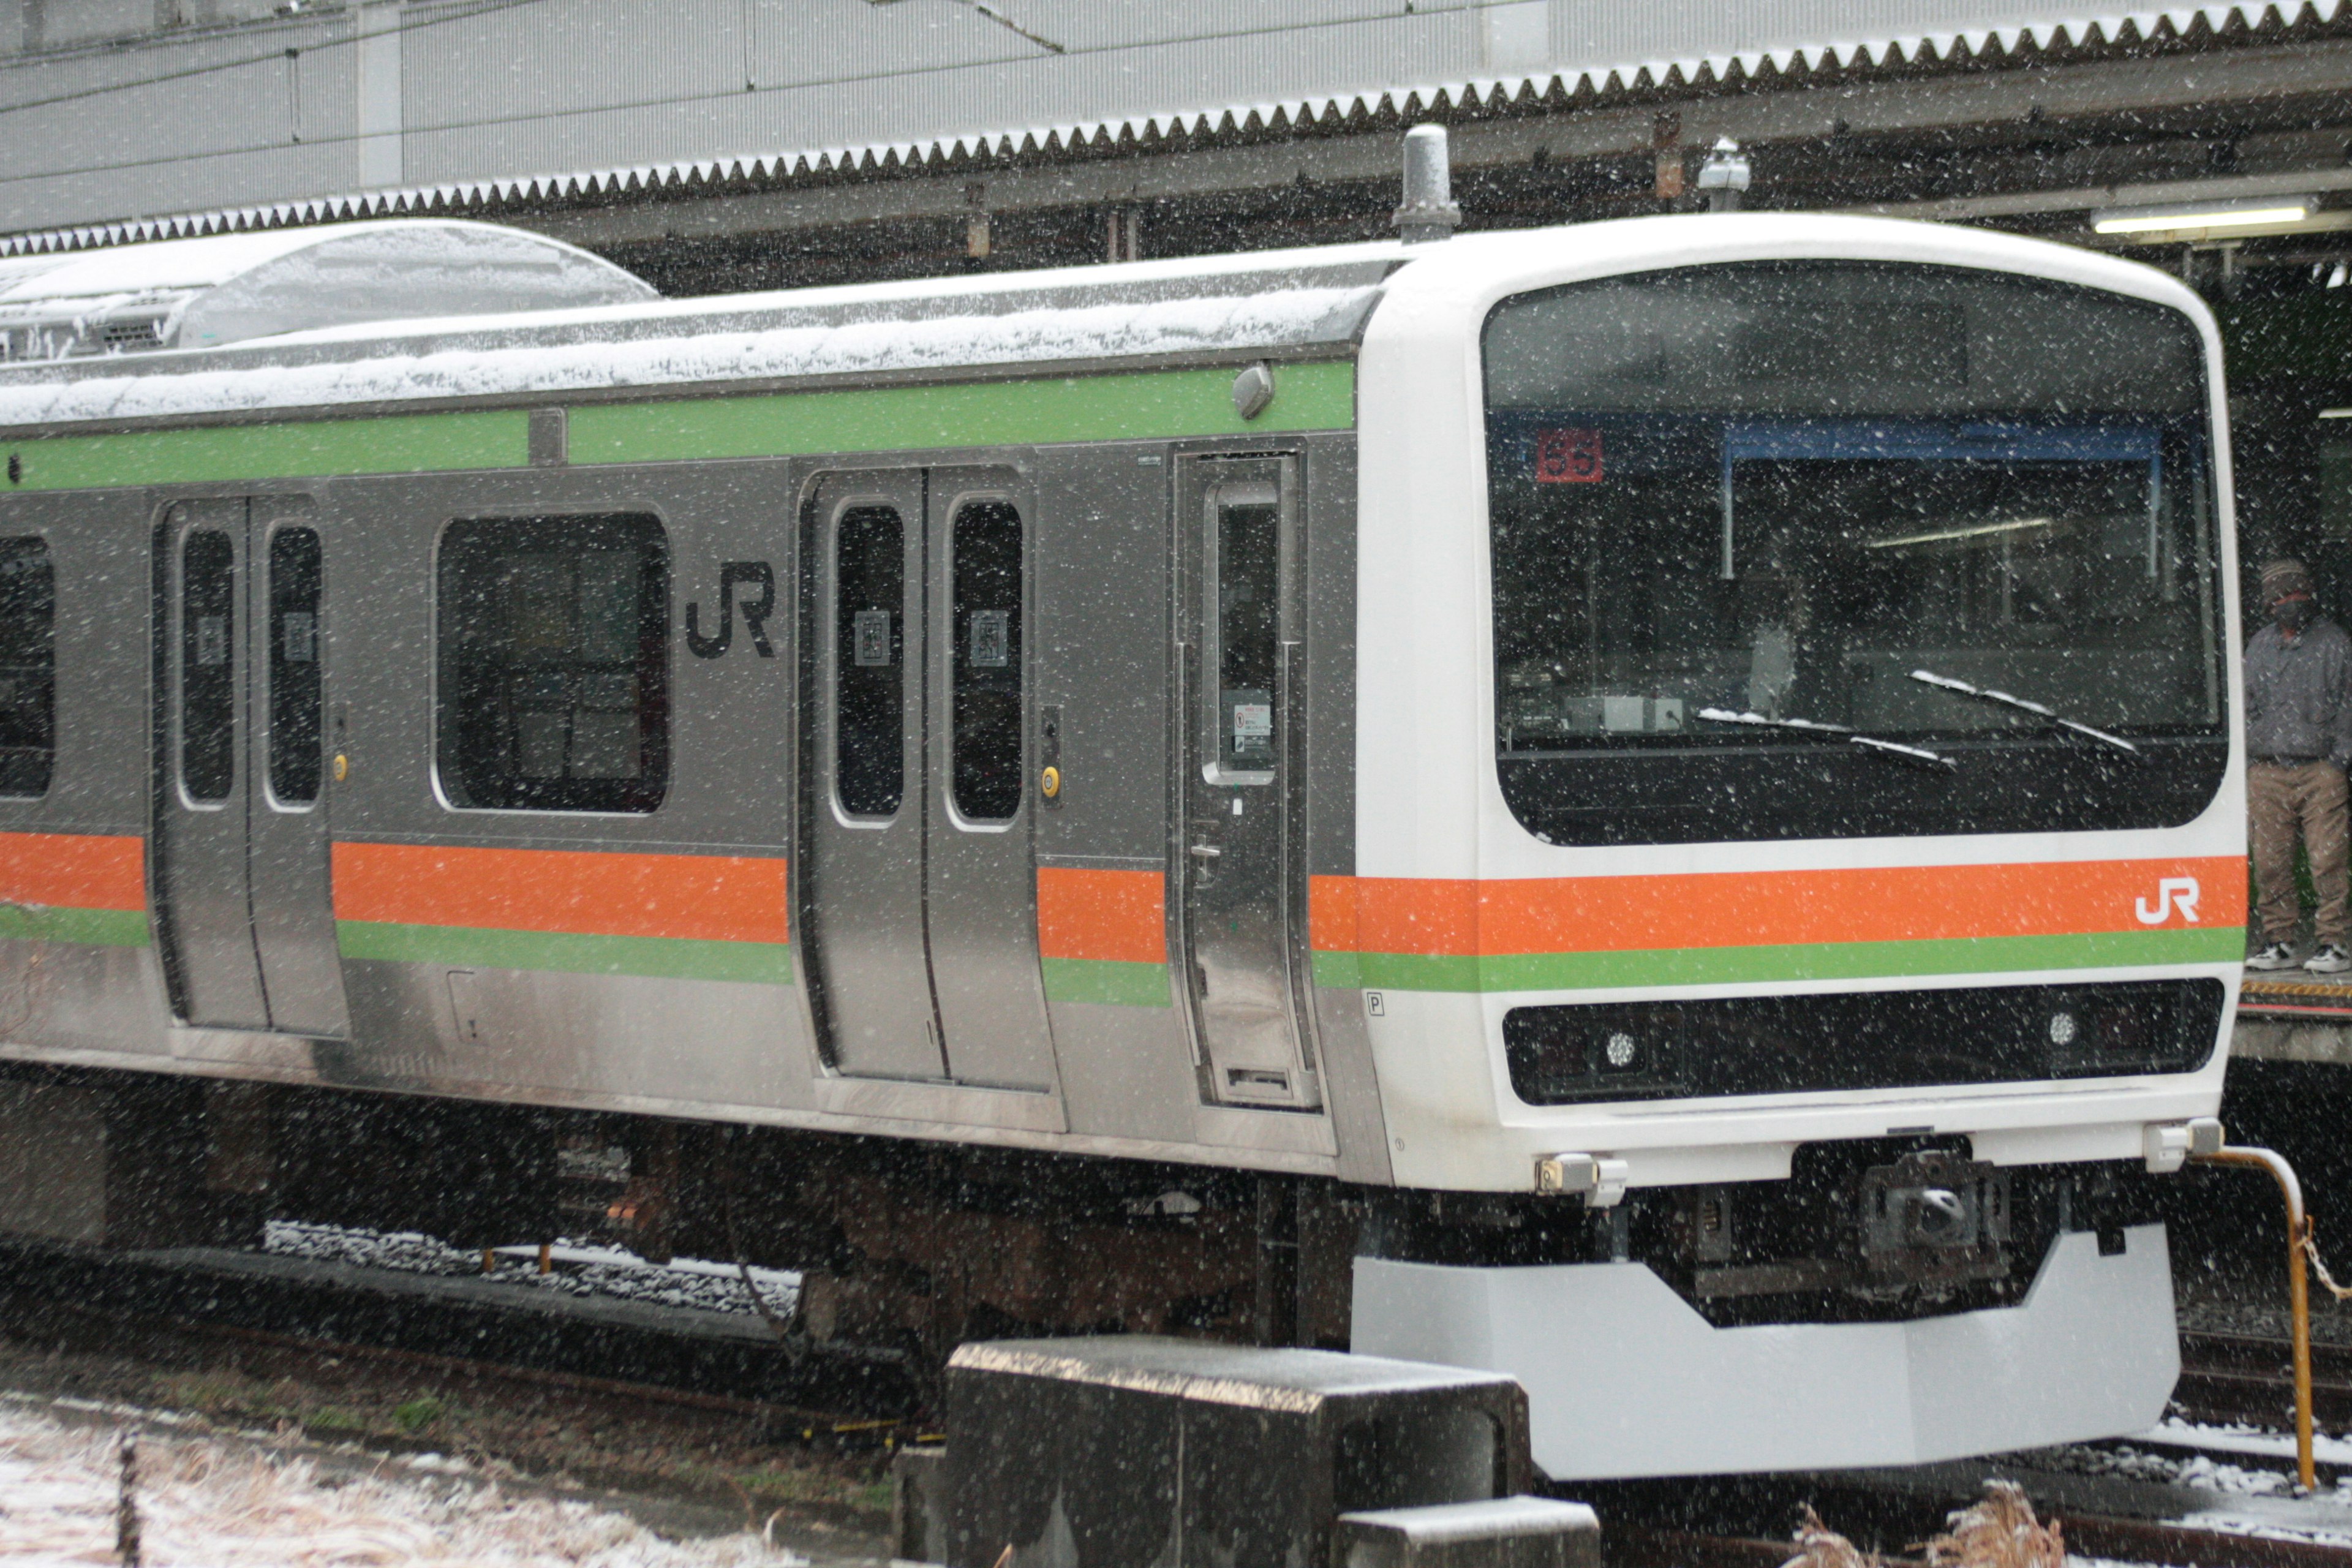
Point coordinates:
[(2124, 1462), (209, 1503), (580, 1270)]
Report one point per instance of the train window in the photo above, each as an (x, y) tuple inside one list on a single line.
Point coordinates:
[(295, 689), (1764, 533), (1248, 589), (28, 661), (554, 666), (207, 665), (869, 584), (988, 772)]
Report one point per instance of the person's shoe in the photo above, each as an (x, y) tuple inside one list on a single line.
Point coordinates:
[(2331, 959), (2277, 955)]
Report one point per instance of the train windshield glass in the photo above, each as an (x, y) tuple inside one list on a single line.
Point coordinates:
[(1799, 550)]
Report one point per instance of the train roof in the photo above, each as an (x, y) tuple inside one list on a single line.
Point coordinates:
[(1284, 302), (204, 293), (1306, 303)]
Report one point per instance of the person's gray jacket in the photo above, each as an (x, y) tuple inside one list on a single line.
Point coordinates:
[(2299, 693)]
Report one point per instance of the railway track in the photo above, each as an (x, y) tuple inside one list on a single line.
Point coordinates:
[(612, 1397), (668, 1353), (1730, 1522), (343, 1370), (621, 1365), (2227, 1377)]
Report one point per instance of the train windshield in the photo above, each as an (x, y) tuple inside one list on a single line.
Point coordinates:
[(1822, 549)]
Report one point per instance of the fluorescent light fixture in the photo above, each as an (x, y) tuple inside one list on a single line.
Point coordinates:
[(1978, 531), (2336, 414), (2262, 212)]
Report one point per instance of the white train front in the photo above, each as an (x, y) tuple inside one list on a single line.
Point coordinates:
[(1652, 806)]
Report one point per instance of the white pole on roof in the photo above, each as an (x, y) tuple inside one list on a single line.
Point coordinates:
[(1428, 212)]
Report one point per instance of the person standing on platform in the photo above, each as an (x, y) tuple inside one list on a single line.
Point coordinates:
[(2298, 744)]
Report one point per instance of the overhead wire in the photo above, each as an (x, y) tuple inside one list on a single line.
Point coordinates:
[(242, 62), (1425, 9)]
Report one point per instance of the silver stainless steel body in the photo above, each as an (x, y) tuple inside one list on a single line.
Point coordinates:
[(205, 893), (955, 972), (917, 907), (861, 886), (980, 865), (936, 889), (242, 904), (1238, 866)]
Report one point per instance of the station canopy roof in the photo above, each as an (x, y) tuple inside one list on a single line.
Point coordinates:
[(1129, 96)]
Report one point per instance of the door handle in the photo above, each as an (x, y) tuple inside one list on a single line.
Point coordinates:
[(1207, 851)]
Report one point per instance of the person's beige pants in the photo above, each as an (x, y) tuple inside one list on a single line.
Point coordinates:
[(2280, 802)]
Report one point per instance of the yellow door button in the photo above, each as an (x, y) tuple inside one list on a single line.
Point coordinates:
[(342, 767), (1051, 783)]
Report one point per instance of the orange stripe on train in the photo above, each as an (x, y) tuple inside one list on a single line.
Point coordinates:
[(1083, 912), (74, 871), (1463, 916), (707, 897)]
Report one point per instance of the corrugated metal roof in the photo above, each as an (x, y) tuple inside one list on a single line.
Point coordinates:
[(1895, 52)]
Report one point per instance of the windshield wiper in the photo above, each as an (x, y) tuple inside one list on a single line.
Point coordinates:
[(1983, 694), (1886, 748), (1726, 716)]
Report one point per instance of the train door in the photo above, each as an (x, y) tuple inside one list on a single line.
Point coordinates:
[(918, 883), (979, 895), (243, 902), (1239, 890)]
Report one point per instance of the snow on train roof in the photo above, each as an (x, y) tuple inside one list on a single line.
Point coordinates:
[(200, 294), (1267, 301)]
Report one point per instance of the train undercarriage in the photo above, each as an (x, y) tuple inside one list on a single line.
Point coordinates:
[(918, 1247)]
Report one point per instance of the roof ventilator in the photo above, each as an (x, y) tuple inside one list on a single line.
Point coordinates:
[(1428, 212), (131, 333), (1723, 176)]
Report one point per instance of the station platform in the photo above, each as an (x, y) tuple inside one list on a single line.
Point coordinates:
[(2294, 1016)]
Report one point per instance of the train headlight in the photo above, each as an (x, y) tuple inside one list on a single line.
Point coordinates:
[(2063, 1028), (1620, 1051)]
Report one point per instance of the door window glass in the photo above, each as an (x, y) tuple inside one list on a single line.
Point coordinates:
[(295, 583), (987, 706), (554, 639), (870, 660), (1248, 579), (28, 662), (207, 671)]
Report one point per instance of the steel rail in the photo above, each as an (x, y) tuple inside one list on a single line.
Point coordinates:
[(1637, 1533), (126, 1297), (2224, 1387)]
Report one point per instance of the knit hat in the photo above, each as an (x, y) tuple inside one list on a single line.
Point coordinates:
[(2283, 579)]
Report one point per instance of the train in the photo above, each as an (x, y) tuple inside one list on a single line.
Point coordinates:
[(1649, 805)]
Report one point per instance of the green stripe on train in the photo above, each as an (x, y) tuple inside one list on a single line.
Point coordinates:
[(1111, 982), (310, 448), (1751, 965), (1143, 406), (473, 947), (1156, 404), (86, 928)]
